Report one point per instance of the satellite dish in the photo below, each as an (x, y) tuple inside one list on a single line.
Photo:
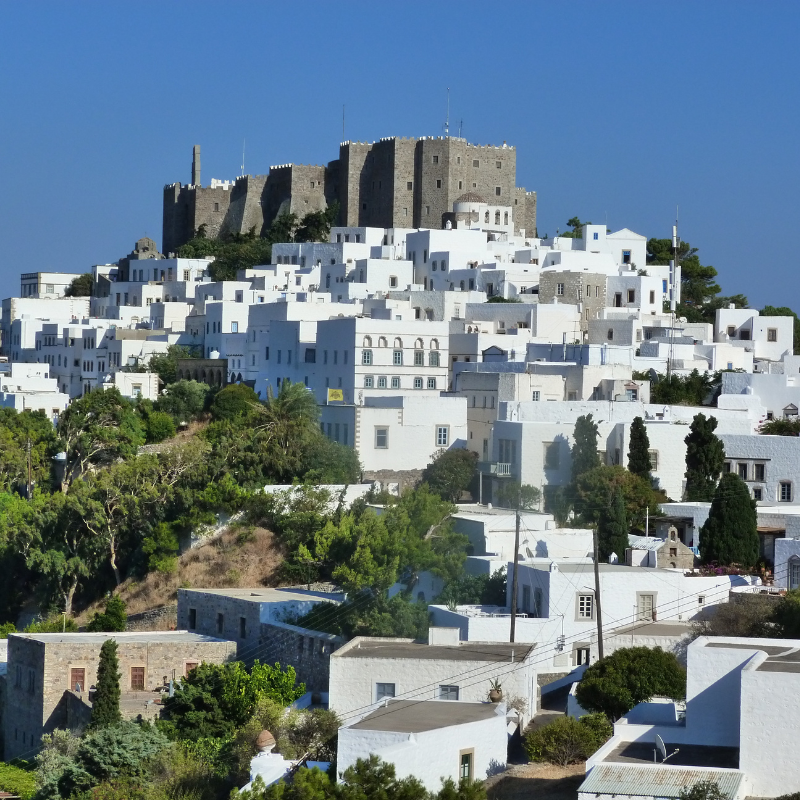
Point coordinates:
[(661, 747)]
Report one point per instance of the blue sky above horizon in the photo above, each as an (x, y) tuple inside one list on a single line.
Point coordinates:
[(620, 112)]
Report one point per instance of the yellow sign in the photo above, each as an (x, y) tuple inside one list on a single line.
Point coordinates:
[(335, 394)]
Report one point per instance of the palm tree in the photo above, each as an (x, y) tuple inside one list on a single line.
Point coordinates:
[(288, 419)]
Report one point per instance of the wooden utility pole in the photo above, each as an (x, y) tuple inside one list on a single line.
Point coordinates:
[(514, 576), (598, 609), (30, 480)]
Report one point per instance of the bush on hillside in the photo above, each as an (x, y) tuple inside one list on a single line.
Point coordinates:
[(567, 740)]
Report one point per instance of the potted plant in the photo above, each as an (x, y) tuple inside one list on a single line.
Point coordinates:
[(495, 691)]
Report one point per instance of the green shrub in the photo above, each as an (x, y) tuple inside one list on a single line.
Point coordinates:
[(6, 628), (17, 781), (53, 624), (567, 740), (114, 618), (159, 426), (234, 401)]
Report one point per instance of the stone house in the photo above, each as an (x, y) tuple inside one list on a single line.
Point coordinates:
[(50, 676), (650, 551)]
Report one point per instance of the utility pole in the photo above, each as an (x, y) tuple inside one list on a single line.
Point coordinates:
[(514, 574), (599, 612), (30, 480)]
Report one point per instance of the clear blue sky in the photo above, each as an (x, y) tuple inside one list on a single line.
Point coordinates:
[(620, 111)]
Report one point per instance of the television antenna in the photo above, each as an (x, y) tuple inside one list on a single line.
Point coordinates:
[(243, 144), (447, 116)]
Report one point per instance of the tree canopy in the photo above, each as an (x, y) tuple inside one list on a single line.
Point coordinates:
[(705, 456), (639, 462), (450, 472), (584, 450), (629, 676), (81, 286), (730, 534), (105, 706)]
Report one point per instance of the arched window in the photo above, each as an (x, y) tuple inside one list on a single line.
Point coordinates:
[(382, 342), (328, 281), (444, 266), (505, 218), (486, 217), (496, 217), (367, 341), (610, 334), (398, 343), (419, 345)]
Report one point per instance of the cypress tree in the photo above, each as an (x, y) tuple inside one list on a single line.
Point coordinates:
[(612, 530), (639, 462), (705, 456), (730, 534), (584, 450), (105, 707)]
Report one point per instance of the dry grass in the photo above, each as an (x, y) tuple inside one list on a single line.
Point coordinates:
[(542, 781), (243, 556)]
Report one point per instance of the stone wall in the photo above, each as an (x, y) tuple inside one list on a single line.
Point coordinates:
[(406, 479), (156, 619), (309, 652), (575, 291), (39, 675)]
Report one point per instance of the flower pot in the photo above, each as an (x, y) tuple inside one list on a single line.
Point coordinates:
[(495, 695)]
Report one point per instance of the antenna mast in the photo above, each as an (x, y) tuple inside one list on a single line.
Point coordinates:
[(675, 272), (243, 144), (447, 117)]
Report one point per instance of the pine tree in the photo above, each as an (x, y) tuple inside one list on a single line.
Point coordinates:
[(584, 451), (705, 456), (730, 534), (612, 531), (639, 462), (105, 707)]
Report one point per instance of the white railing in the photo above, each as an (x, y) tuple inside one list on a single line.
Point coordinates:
[(503, 470)]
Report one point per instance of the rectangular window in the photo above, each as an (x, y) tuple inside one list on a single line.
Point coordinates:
[(475, 162), (137, 679), (383, 690), (653, 459), (758, 472), (189, 666), (626, 255), (645, 606), (631, 295), (585, 606), (742, 471), (234, 327), (436, 159), (417, 383), (786, 492), (220, 623), (465, 758), (559, 288), (497, 191), (438, 184), (192, 619), (397, 358), (419, 358), (77, 679), (395, 383), (381, 438), (536, 396), (242, 627), (580, 656), (311, 355), (31, 681), (366, 357), (442, 435), (758, 495), (382, 382), (508, 451), (448, 692), (433, 358), (596, 236), (772, 334), (431, 383), (794, 575), (409, 185), (369, 382)]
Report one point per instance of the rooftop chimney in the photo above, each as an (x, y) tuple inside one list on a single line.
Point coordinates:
[(196, 165)]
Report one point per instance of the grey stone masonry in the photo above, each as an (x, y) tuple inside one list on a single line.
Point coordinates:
[(394, 182), (238, 614), (587, 289), (45, 669), (309, 652)]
